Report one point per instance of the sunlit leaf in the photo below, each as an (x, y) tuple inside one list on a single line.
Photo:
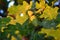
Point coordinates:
[(50, 13)]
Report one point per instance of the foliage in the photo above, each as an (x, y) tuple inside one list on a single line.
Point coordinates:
[(27, 21)]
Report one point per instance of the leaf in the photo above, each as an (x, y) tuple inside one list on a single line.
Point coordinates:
[(12, 10), (21, 19), (5, 20), (11, 27), (49, 24), (41, 4), (50, 13), (37, 36), (51, 2), (58, 18), (3, 35), (20, 12), (20, 1), (35, 22)]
